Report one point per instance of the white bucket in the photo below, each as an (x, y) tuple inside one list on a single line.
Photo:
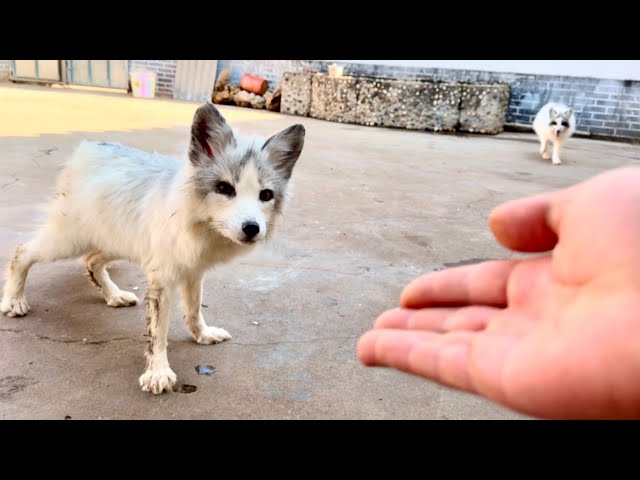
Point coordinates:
[(143, 84), (336, 70)]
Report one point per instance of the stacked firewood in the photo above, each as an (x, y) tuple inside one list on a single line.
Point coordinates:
[(252, 92)]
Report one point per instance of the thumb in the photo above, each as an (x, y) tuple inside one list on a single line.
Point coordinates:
[(524, 225)]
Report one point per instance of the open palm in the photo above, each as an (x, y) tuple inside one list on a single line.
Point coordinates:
[(556, 335)]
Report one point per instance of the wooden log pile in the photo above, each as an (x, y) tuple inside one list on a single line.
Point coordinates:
[(253, 92)]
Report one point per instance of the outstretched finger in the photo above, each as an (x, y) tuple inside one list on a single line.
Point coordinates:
[(525, 225), (438, 320), (441, 358), (480, 284)]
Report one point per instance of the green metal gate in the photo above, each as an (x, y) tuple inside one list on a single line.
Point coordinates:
[(98, 73), (43, 71)]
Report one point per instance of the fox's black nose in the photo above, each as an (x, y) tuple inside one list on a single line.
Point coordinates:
[(250, 229)]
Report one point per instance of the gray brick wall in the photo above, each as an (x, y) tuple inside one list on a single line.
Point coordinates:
[(604, 108), (165, 69), (5, 66)]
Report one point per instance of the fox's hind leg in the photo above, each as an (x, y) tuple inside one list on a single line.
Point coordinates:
[(49, 245), (96, 264)]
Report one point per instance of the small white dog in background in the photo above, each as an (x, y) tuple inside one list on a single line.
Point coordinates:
[(174, 218), (554, 123)]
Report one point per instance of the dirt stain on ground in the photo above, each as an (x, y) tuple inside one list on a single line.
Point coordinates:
[(468, 261), (184, 388)]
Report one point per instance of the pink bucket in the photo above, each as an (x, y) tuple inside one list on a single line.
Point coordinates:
[(143, 84)]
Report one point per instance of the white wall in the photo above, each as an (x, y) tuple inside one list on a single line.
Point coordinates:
[(610, 69)]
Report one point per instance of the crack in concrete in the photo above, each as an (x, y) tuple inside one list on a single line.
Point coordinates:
[(87, 342), (16, 179), (119, 339), (59, 340), (311, 340), (294, 268)]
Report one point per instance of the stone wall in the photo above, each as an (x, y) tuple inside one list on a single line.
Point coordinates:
[(483, 108), (296, 93), (334, 99), (416, 105), (410, 104)]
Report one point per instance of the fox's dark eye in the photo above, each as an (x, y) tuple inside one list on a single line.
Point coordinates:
[(553, 122), (266, 195), (565, 124), (225, 188)]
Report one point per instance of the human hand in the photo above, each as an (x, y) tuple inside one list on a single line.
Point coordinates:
[(554, 336)]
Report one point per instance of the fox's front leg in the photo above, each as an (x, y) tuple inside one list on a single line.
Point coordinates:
[(191, 294), (555, 158), (543, 149), (158, 377)]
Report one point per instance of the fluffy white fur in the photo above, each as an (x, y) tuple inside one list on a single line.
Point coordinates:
[(554, 123), (174, 218)]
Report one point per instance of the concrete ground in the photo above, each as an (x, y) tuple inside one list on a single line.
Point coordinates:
[(373, 208)]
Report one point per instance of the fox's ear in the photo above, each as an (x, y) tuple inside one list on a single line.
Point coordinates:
[(553, 114), (567, 113), (284, 148), (210, 134)]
